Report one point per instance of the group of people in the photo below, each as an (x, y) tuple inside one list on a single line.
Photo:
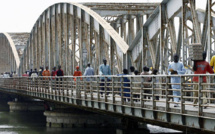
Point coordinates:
[(8, 74), (175, 68), (199, 67), (104, 69), (44, 73)]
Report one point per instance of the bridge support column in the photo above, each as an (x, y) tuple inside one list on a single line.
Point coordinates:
[(15, 106), (78, 118)]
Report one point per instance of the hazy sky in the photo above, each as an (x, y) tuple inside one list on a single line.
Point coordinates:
[(20, 15)]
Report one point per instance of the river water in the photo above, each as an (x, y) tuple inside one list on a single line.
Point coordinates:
[(35, 123)]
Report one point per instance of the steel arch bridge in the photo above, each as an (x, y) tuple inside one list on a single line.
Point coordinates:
[(149, 34), (137, 34)]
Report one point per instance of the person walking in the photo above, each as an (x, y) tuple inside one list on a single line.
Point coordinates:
[(34, 74), (154, 72), (24, 75), (54, 73), (146, 79), (31, 71), (89, 71), (35, 71), (104, 69), (201, 67), (46, 73), (134, 91), (59, 74), (40, 71), (136, 72), (176, 68), (77, 73), (60, 71), (132, 69), (212, 63), (34, 82), (126, 85)]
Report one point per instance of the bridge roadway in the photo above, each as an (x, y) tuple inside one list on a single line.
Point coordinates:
[(87, 95)]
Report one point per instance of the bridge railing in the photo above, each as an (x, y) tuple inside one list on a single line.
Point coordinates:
[(153, 92)]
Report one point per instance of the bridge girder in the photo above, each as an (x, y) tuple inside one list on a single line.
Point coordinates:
[(117, 9)]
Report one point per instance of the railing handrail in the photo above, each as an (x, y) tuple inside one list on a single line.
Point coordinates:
[(116, 76)]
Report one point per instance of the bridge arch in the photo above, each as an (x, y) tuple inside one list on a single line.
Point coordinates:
[(9, 61), (70, 34)]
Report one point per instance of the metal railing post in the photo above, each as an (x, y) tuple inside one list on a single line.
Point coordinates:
[(105, 87), (153, 94), (78, 93), (39, 84), (72, 87), (91, 92), (113, 92), (98, 85), (209, 86), (200, 87), (122, 95), (44, 85), (52, 84), (62, 86), (167, 92), (67, 87), (182, 95), (85, 87), (141, 93), (131, 91)]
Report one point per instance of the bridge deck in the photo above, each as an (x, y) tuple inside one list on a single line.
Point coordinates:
[(83, 93)]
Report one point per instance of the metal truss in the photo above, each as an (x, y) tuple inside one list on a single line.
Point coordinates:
[(171, 28), (71, 34)]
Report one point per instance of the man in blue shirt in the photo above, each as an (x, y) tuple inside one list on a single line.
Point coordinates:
[(104, 69), (89, 71), (176, 68)]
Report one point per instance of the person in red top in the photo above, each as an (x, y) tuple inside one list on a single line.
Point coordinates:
[(54, 73), (201, 67), (77, 73), (25, 75)]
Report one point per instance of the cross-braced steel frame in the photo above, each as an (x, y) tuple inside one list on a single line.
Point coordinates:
[(71, 34)]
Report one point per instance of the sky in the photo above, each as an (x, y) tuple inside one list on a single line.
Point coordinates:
[(20, 15)]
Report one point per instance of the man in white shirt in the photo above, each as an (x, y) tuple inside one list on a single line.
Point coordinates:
[(89, 71), (176, 68)]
